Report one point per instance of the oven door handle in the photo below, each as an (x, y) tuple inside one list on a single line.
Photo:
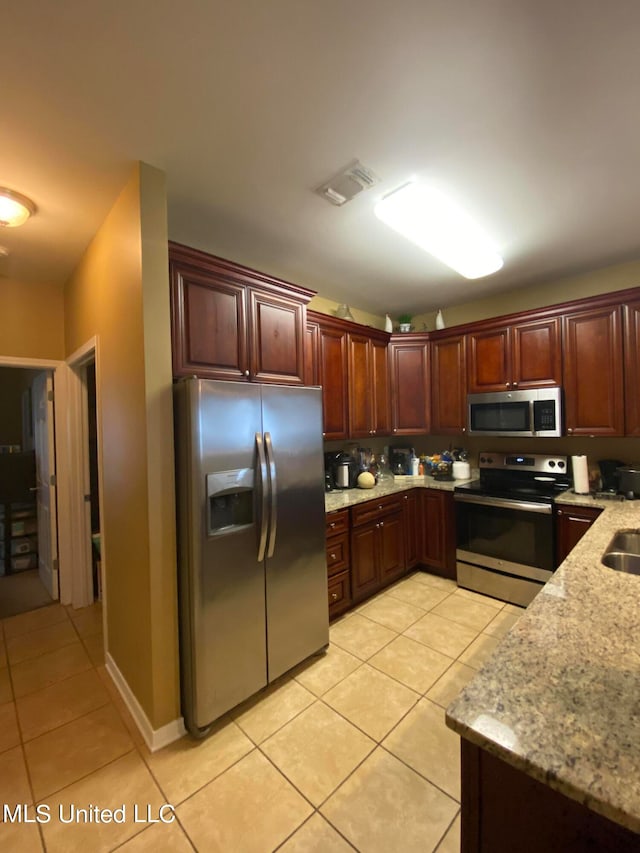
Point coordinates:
[(505, 503)]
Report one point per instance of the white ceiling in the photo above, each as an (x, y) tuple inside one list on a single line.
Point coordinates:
[(526, 110)]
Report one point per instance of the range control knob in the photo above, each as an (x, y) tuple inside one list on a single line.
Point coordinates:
[(482, 459), (560, 464), (490, 461), (552, 464)]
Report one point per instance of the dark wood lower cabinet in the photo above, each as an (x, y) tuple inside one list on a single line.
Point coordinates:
[(377, 545), (411, 528), (572, 522), (504, 810), (437, 532)]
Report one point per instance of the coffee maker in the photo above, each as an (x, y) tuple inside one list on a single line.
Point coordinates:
[(340, 471), (609, 474)]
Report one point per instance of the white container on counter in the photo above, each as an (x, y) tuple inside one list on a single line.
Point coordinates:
[(461, 470)]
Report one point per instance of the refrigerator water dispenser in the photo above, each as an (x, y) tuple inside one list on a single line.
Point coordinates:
[(229, 501)]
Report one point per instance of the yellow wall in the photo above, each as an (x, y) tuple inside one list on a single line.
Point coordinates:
[(31, 320), (119, 293), (605, 280)]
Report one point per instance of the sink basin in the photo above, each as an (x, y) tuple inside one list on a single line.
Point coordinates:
[(622, 562), (623, 552), (627, 541)]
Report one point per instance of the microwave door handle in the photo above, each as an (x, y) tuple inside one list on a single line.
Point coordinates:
[(532, 417), (264, 497), (273, 489)]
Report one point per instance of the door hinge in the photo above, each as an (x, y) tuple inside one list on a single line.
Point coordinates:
[(50, 396), (52, 480), (54, 565)]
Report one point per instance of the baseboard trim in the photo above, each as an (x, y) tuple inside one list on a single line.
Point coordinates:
[(155, 739)]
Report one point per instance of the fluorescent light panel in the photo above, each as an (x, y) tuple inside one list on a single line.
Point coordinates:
[(432, 221)]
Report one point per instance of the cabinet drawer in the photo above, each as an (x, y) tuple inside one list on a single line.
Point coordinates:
[(372, 509), (337, 522), (339, 593), (337, 553)]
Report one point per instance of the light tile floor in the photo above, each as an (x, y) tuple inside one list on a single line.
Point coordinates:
[(349, 751)]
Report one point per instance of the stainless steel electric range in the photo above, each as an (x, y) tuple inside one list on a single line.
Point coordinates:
[(505, 525)]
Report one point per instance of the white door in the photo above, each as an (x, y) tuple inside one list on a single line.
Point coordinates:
[(43, 436)]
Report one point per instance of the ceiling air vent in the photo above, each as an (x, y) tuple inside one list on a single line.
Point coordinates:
[(347, 183)]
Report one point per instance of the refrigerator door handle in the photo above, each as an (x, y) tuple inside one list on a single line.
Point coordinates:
[(264, 498), (273, 526)]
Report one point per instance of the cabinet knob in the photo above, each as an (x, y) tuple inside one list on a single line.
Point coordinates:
[(515, 384), (334, 596), (333, 524), (464, 429), (379, 506), (377, 525), (333, 556), (560, 512), (395, 430), (406, 497), (382, 524), (569, 430), (507, 385), (246, 373)]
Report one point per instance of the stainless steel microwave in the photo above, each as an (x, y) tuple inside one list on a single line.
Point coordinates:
[(536, 412)]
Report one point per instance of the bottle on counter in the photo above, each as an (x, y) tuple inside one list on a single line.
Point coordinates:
[(414, 464)]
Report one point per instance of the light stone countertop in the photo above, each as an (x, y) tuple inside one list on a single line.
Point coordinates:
[(560, 697), (340, 499)]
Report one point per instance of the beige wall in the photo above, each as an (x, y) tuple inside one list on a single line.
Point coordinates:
[(328, 306), (119, 293), (605, 280), (31, 320)]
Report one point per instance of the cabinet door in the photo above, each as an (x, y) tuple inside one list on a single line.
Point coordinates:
[(391, 547), (632, 368), (489, 363), (593, 381), (411, 530), (571, 525), (438, 532), (208, 326), (360, 386), (365, 572), (277, 338), (381, 408), (448, 386), (536, 354), (409, 387), (311, 355), (332, 347)]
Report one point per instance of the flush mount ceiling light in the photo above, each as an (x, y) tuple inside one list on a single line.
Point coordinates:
[(438, 225), (15, 208)]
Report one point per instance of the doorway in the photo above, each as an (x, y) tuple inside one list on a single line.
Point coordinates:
[(28, 526)]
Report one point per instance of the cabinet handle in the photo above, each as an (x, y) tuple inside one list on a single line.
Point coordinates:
[(334, 596)]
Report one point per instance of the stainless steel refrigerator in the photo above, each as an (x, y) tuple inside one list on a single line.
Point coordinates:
[(251, 549)]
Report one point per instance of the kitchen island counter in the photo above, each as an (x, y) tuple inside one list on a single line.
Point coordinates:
[(559, 699)]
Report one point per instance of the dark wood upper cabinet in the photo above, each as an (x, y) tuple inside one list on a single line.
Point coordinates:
[(311, 354), (230, 322), (632, 368), (332, 374), (409, 368), (448, 385), (520, 356), (593, 371), (368, 386)]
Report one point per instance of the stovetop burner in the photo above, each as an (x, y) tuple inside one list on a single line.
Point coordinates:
[(532, 477)]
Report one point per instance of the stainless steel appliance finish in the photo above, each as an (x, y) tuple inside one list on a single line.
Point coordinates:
[(535, 412), (252, 562), (505, 531), (629, 481)]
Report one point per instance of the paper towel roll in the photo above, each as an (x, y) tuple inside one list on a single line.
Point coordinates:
[(580, 475)]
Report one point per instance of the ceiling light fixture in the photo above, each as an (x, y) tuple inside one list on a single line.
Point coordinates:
[(432, 221), (15, 208)]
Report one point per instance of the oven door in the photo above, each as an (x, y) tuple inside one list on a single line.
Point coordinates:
[(504, 547)]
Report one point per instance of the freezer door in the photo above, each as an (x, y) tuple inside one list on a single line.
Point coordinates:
[(296, 571), (222, 600)]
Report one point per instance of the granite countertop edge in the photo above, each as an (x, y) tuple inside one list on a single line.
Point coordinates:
[(559, 698)]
